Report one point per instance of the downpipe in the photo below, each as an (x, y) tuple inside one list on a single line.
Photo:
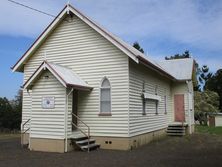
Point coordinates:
[(189, 108), (66, 117)]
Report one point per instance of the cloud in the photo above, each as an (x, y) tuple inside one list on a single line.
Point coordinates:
[(185, 21), (19, 21), (196, 23)]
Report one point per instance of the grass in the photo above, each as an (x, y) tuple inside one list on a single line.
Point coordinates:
[(9, 135), (208, 130)]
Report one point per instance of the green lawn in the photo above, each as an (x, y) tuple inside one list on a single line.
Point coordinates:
[(208, 130)]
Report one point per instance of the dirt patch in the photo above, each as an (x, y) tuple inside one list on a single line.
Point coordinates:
[(199, 150)]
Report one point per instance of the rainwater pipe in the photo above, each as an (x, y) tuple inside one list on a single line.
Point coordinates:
[(189, 109), (66, 118)]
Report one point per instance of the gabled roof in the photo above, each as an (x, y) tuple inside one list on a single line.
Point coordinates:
[(64, 75), (181, 69), (129, 50)]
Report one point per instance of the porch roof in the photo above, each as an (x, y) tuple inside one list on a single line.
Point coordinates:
[(66, 76)]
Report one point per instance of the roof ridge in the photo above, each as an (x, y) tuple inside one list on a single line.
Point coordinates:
[(164, 60)]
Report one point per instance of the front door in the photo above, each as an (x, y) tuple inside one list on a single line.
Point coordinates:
[(179, 108), (74, 108)]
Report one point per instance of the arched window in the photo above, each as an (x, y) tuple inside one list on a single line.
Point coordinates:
[(105, 96)]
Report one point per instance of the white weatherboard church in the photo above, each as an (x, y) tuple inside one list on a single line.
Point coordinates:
[(85, 88)]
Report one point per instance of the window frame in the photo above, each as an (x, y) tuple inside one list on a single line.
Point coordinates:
[(100, 95), (143, 99), (156, 107), (165, 104), (156, 102)]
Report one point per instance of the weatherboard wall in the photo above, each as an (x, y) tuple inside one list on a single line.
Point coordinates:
[(48, 123), (75, 45), (138, 122)]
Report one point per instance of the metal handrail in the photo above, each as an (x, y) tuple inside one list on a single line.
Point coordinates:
[(23, 132), (26, 131), (88, 128)]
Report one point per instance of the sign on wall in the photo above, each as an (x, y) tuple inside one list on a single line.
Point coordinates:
[(48, 102)]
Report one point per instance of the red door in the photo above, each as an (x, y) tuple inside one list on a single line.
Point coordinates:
[(179, 108)]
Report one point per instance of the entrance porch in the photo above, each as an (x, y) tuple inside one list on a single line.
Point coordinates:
[(54, 119)]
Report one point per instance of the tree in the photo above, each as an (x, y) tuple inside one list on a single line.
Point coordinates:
[(214, 83), (17, 108), (137, 46), (202, 76), (10, 113), (186, 54), (5, 113), (206, 103)]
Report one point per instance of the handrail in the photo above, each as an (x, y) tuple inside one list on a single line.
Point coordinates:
[(23, 132), (26, 122), (88, 128)]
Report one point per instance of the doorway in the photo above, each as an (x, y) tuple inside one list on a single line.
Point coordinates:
[(179, 108), (74, 109)]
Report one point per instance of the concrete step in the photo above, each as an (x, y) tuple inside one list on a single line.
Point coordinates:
[(178, 124), (91, 147), (175, 131), (177, 128), (176, 134), (76, 135), (80, 141), (85, 142)]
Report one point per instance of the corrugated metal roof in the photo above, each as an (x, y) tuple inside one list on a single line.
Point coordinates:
[(181, 69), (67, 77)]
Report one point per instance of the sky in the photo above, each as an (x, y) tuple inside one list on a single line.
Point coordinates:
[(162, 27)]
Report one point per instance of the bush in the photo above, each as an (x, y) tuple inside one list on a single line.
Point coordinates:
[(10, 113), (206, 103)]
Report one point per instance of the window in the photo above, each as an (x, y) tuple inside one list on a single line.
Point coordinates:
[(157, 102), (165, 104), (143, 100), (144, 107), (105, 97), (157, 107)]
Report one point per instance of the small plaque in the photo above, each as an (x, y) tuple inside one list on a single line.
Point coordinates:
[(48, 102)]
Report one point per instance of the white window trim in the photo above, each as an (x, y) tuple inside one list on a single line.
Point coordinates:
[(105, 113)]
